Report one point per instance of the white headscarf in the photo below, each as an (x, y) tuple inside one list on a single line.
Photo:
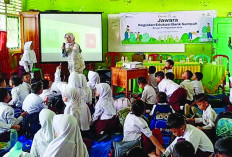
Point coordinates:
[(72, 39), (94, 79), (77, 108), (45, 135), (68, 141), (28, 55), (87, 90)]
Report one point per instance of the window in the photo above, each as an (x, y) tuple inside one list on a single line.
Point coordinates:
[(9, 21)]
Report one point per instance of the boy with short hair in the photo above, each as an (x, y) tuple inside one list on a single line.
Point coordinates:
[(151, 78), (2, 83), (183, 149), (135, 125), (176, 95), (26, 78), (188, 86), (201, 143), (149, 94), (46, 89), (169, 65), (197, 84), (223, 147)]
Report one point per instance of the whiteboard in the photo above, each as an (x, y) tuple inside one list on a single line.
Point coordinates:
[(114, 41)]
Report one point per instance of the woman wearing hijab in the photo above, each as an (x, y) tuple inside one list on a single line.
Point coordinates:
[(45, 135), (28, 58), (77, 108), (68, 141), (86, 89), (104, 114), (73, 51)]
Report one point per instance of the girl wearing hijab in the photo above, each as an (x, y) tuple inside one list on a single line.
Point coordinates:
[(104, 115), (86, 89), (94, 79), (73, 51), (45, 135), (68, 141), (77, 108), (28, 59)]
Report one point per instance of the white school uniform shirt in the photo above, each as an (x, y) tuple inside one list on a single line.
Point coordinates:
[(149, 95), (198, 87), (152, 82), (134, 127), (94, 79), (78, 109), (7, 117), (44, 94), (69, 142), (86, 89), (168, 86), (188, 86), (18, 95), (169, 70), (208, 118), (195, 136), (104, 108), (33, 103), (45, 135)]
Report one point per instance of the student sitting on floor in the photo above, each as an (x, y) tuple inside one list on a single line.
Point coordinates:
[(176, 95), (68, 141), (86, 89), (208, 118), (148, 95), (197, 84), (104, 115), (151, 78), (7, 116), (2, 83), (26, 78), (169, 65), (135, 126), (45, 135), (46, 89), (19, 91), (201, 143), (183, 149), (223, 147), (188, 86)]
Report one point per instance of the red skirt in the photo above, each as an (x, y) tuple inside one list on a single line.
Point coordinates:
[(178, 99), (106, 125)]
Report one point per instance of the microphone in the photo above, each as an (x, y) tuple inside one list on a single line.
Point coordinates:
[(64, 54)]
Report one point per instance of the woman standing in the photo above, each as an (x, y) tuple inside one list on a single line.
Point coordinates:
[(73, 52)]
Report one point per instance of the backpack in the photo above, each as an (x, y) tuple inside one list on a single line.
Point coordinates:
[(56, 103), (121, 103), (122, 115), (224, 124)]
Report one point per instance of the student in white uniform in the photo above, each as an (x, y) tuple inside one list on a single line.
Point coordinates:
[(19, 91), (68, 141), (77, 108), (7, 119), (29, 58), (169, 65), (188, 86), (135, 126), (87, 90), (59, 81), (148, 95), (104, 115), (151, 78), (26, 78), (183, 149), (201, 143), (46, 90), (197, 84), (45, 135), (33, 102), (176, 95), (208, 118), (94, 79)]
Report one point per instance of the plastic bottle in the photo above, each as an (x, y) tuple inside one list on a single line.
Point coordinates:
[(13, 137), (122, 59), (126, 59), (200, 60), (146, 57), (16, 150), (187, 59)]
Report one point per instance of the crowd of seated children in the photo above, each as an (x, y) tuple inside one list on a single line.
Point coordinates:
[(188, 86), (148, 95), (151, 78)]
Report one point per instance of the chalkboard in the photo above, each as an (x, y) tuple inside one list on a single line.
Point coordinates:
[(114, 44)]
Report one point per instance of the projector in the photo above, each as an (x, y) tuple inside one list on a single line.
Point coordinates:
[(132, 65)]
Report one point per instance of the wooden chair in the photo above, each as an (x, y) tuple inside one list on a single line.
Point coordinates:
[(154, 57), (113, 56)]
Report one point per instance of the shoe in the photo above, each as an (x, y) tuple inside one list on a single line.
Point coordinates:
[(186, 110)]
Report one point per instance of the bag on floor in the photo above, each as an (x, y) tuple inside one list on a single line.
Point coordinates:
[(122, 115), (121, 103), (224, 124)]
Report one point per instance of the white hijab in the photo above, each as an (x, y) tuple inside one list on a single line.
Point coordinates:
[(87, 90), (94, 79), (68, 141), (77, 108), (28, 55), (71, 44), (45, 135)]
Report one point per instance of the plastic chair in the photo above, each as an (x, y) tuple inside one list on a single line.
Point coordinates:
[(179, 57), (34, 69), (113, 56), (204, 57), (155, 56)]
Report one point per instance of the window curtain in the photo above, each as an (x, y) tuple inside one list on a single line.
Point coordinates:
[(4, 53)]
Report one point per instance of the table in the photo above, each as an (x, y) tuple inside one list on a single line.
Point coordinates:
[(178, 68), (120, 77)]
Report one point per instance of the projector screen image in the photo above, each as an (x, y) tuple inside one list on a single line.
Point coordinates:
[(87, 29)]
